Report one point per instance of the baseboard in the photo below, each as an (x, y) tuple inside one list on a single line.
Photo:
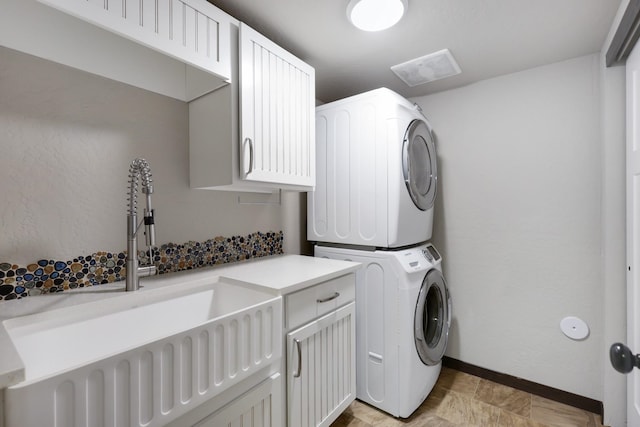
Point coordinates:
[(561, 396)]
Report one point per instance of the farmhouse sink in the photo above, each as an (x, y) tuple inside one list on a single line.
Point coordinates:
[(142, 358)]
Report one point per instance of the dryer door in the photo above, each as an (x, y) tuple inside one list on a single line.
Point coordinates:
[(432, 318), (419, 164)]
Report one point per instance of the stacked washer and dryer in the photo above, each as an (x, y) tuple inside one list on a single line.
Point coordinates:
[(376, 181)]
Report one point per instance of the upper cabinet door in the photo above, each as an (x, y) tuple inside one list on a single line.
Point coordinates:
[(192, 31), (277, 121)]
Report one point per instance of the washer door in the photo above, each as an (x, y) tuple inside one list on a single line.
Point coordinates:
[(432, 318), (419, 164)]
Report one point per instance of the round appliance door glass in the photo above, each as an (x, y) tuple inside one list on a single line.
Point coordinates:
[(432, 318), (419, 164)]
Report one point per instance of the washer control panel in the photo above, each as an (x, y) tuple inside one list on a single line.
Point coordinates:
[(431, 253), (419, 258)]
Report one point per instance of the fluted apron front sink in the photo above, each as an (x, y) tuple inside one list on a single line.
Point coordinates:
[(142, 358)]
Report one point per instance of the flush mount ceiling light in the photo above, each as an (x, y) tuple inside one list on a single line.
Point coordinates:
[(375, 15)]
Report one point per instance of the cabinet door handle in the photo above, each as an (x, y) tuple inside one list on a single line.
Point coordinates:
[(299, 350), (327, 299), (249, 141)]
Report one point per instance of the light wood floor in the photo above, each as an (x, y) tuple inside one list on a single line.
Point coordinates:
[(460, 399)]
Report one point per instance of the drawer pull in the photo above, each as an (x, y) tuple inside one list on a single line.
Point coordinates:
[(327, 299), (299, 349)]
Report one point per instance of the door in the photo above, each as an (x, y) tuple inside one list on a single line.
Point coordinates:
[(633, 230), (321, 375), (277, 105), (432, 318), (259, 407), (419, 164)]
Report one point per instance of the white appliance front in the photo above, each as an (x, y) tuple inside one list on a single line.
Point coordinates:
[(376, 172), (403, 313)]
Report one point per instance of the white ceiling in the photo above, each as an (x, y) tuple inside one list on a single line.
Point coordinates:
[(487, 38)]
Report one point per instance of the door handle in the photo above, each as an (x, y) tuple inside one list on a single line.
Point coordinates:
[(622, 359), (299, 350), (249, 142)]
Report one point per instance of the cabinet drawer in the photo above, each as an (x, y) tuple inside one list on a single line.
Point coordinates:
[(317, 300)]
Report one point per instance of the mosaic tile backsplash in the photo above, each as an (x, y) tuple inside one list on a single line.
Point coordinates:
[(49, 276)]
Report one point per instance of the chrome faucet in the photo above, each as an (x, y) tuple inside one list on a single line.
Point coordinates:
[(139, 171)]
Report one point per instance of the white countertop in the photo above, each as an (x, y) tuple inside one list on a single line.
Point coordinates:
[(281, 274), (288, 273)]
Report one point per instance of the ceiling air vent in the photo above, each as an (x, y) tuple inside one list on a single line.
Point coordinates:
[(427, 68)]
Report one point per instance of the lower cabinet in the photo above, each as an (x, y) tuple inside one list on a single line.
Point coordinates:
[(321, 377), (320, 365), (259, 407)]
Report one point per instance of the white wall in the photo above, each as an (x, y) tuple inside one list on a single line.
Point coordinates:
[(519, 221), (67, 140)]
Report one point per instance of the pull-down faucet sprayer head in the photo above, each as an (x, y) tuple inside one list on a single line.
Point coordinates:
[(149, 220)]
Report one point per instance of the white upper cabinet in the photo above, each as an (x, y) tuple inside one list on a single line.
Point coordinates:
[(177, 48), (257, 134), (192, 31), (277, 113)]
